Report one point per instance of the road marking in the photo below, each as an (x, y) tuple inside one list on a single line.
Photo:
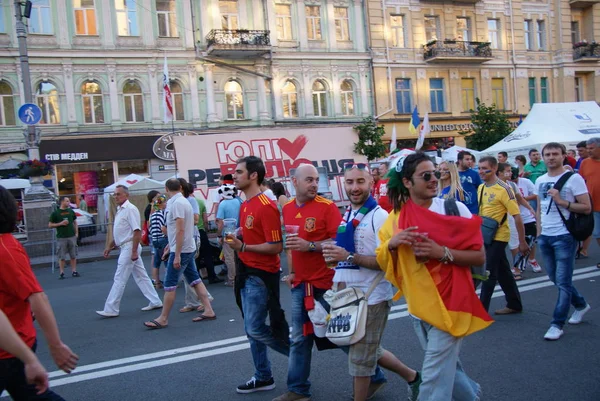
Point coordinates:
[(168, 357)]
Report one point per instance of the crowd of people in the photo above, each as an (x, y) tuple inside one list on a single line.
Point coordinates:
[(431, 233)]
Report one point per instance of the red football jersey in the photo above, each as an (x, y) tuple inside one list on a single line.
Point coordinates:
[(17, 283), (381, 196), (261, 222), (318, 220)]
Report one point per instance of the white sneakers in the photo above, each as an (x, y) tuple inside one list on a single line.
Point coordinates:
[(535, 266), (152, 307), (553, 333), (577, 316), (106, 314)]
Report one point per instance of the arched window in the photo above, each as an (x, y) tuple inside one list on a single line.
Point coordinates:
[(177, 98), (7, 111), (134, 102), (93, 107), (234, 98), (319, 92), (347, 92), (46, 96), (289, 96)]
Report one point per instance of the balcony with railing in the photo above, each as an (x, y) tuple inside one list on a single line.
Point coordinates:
[(589, 52), (237, 43), (456, 51)]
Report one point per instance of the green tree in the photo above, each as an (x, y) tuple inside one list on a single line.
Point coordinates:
[(490, 125), (370, 142)]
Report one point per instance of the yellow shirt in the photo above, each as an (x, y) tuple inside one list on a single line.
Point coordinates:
[(497, 200)]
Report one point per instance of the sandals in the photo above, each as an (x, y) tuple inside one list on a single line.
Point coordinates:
[(154, 325), (517, 274), (157, 284), (188, 308), (203, 318)]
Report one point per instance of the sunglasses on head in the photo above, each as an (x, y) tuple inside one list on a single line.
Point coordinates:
[(358, 166), (426, 176)]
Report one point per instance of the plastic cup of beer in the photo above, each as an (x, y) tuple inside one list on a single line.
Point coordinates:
[(291, 230), (229, 228), (331, 263)]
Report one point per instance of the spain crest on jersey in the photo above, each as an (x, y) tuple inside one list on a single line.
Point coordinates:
[(249, 222), (310, 224)]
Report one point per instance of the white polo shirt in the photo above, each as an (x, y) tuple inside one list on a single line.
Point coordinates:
[(127, 220), (179, 207)]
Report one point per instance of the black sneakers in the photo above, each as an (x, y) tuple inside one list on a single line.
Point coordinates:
[(62, 276), (254, 385), (75, 274)]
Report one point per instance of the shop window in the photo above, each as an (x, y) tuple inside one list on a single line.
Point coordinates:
[(7, 109), (289, 97), (93, 107), (234, 99), (85, 17), (319, 93), (46, 96), (87, 179), (139, 167), (177, 98), (167, 18), (347, 92), (40, 20), (127, 22), (229, 14), (134, 102)]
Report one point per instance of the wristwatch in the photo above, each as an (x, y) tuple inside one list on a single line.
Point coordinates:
[(312, 247), (350, 258)]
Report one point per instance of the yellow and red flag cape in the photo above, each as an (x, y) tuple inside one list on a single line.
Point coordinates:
[(440, 294)]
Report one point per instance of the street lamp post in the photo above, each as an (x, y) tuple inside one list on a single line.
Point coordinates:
[(31, 133)]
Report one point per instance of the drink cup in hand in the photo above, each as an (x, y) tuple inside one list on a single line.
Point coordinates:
[(330, 262), (291, 230)]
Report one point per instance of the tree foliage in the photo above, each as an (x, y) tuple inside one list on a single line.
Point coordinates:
[(370, 139), (490, 125)]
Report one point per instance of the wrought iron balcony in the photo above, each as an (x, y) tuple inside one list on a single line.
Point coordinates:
[(587, 52), (237, 43), (456, 51)]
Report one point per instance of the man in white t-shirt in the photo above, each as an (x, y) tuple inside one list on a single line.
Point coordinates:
[(358, 268), (557, 245), (182, 246)]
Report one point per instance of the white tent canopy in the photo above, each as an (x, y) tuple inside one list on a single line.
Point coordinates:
[(135, 183), (451, 154), (566, 123)]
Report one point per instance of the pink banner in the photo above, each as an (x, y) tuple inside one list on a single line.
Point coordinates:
[(86, 183)]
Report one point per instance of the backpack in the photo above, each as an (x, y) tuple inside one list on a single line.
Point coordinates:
[(580, 226)]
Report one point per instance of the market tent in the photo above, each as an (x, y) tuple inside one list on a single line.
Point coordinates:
[(566, 123), (451, 153)]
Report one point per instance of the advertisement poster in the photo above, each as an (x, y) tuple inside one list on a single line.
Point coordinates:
[(86, 183)]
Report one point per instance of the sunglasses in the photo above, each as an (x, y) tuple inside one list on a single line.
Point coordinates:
[(426, 176), (358, 166)]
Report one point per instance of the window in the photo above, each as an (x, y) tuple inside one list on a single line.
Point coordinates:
[(177, 99), (575, 38), (283, 19), (234, 98), (290, 100), (403, 97), (463, 28), (544, 89), (347, 91), (436, 95), (41, 17), (2, 27), (493, 33), (319, 92), (342, 25), (467, 90), (128, 167), (229, 14), (127, 23), (46, 96), (166, 12), (134, 102), (532, 92), (498, 93), (431, 28), (91, 98), (85, 17), (398, 32), (528, 34), (7, 111), (578, 89), (313, 22), (541, 35)]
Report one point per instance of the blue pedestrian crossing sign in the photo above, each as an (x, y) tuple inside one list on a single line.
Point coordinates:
[(30, 114)]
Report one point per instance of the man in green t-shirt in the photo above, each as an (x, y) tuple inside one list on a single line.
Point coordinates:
[(64, 220), (536, 167), (205, 253)]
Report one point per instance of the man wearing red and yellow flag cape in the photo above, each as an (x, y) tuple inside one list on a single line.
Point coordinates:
[(426, 250)]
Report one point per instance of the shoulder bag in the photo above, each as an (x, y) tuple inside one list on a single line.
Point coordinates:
[(489, 226)]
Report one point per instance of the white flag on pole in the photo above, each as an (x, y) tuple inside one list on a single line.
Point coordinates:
[(393, 142), (425, 129), (167, 99)]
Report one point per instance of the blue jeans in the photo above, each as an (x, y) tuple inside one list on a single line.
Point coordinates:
[(301, 346), (159, 248), (188, 268), (254, 303), (559, 257), (443, 376)]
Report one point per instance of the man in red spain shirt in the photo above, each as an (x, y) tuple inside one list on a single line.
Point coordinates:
[(257, 278), (380, 192)]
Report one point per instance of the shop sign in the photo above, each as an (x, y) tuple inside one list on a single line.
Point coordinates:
[(462, 126), (67, 156), (164, 148)]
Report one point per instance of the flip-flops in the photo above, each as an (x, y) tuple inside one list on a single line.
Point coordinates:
[(186, 309), (203, 318), (154, 325)]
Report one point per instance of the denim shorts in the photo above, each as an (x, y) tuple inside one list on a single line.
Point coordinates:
[(159, 246), (188, 269)]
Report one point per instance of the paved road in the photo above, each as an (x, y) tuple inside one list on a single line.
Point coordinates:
[(121, 360)]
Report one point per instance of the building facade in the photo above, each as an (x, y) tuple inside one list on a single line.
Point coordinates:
[(443, 55), (97, 74)]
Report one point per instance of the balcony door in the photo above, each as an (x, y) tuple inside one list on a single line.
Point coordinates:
[(229, 14)]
